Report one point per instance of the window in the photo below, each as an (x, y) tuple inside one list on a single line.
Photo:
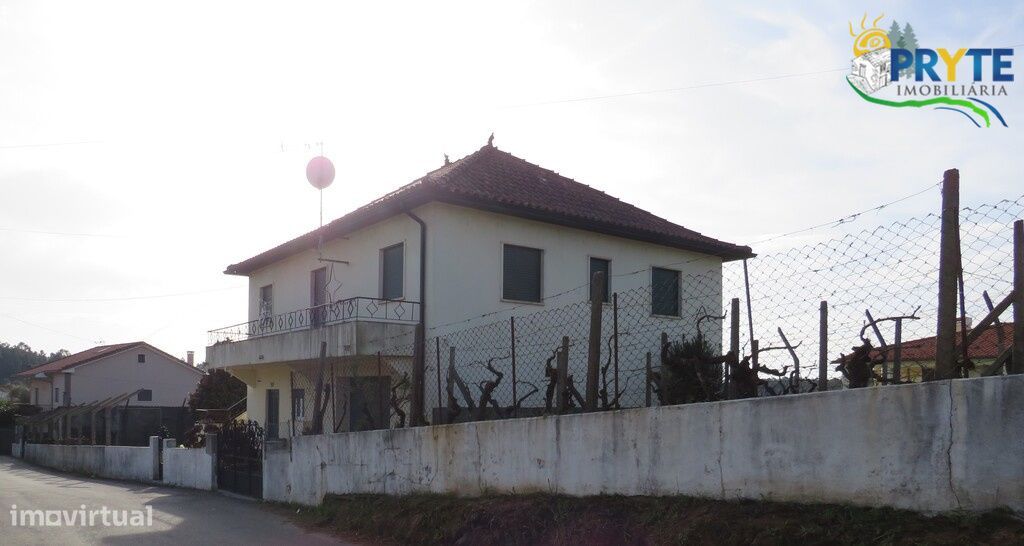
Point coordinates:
[(141, 358), (56, 395), (266, 300), (521, 274), (603, 266), (36, 400), (298, 404), (318, 296), (664, 292), (392, 272), (145, 395)]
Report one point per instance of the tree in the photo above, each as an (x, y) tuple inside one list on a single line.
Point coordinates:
[(216, 390), (16, 358), (895, 34), (909, 40)]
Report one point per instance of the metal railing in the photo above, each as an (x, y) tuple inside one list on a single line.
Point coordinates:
[(347, 310)]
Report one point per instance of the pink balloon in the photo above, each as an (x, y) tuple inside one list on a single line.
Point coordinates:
[(320, 172)]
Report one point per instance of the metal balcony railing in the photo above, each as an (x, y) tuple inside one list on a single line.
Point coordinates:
[(348, 310)]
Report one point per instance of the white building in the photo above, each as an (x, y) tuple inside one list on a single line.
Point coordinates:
[(487, 233), (108, 371)]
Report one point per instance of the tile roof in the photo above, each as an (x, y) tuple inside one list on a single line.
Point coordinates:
[(986, 346), (497, 181), (87, 355)]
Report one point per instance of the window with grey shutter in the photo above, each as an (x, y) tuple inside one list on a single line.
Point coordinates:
[(664, 292), (145, 395), (521, 275), (603, 266), (392, 272)]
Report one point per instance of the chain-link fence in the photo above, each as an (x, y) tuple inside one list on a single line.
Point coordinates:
[(669, 341)]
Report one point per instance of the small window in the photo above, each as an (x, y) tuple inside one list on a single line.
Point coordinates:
[(392, 271), (266, 300), (56, 395), (145, 395), (142, 358), (664, 292), (521, 274), (603, 266), (298, 404)]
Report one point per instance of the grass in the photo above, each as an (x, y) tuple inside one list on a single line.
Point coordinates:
[(555, 520)]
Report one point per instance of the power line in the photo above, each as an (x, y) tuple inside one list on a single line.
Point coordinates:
[(46, 144), (849, 217), (126, 298), (64, 233), (682, 88), (48, 328)]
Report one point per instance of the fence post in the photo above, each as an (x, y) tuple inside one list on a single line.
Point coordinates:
[(734, 345), (949, 261), (563, 373), (663, 395), (897, 353), (418, 373), (615, 346), (210, 448), (318, 416), (823, 346), (647, 382), (1018, 298), (594, 349), (452, 403), (437, 363), (515, 393), (382, 404)]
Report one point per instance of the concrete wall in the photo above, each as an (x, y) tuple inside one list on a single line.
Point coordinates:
[(194, 468), (930, 447), (116, 462)]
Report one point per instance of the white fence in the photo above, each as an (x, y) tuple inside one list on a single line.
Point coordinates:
[(182, 467)]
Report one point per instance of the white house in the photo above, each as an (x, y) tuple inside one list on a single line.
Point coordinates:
[(486, 233), (108, 371)]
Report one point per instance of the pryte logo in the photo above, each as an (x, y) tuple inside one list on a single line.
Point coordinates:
[(889, 69)]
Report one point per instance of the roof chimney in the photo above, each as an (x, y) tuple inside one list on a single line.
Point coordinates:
[(959, 324), (190, 357)]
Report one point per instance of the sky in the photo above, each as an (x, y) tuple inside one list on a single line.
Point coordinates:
[(145, 146)]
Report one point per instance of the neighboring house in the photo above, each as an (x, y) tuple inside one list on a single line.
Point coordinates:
[(485, 233), (917, 356), (870, 71), (107, 371)]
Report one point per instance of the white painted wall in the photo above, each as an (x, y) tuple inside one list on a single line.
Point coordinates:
[(952, 445), (464, 258), (116, 462), (170, 380)]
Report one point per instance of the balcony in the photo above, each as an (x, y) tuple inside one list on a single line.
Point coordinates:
[(351, 327)]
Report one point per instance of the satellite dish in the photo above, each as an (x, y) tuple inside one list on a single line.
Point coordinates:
[(320, 172)]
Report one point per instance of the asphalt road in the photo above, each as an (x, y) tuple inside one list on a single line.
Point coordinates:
[(180, 516)]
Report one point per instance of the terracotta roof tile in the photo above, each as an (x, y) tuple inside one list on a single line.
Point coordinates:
[(494, 180), (77, 358)]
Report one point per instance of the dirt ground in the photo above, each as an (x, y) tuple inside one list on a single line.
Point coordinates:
[(614, 520)]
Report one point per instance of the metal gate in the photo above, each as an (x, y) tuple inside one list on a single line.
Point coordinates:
[(240, 458)]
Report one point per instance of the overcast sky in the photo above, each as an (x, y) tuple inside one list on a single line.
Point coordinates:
[(155, 143)]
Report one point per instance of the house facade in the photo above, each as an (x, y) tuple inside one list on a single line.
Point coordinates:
[(107, 371), (489, 233)]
